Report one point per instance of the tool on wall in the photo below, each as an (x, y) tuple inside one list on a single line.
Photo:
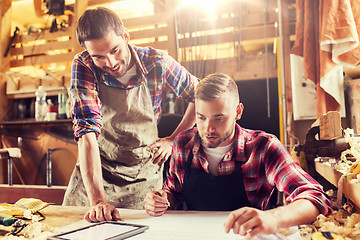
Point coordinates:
[(16, 32)]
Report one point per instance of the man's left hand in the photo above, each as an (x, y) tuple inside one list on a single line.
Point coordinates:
[(250, 222), (162, 154)]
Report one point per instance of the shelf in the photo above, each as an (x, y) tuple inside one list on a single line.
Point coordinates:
[(54, 91), (33, 122)]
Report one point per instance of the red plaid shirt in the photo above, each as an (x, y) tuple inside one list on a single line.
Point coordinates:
[(266, 163)]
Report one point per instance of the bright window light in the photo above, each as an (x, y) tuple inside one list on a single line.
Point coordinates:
[(126, 4), (208, 5)]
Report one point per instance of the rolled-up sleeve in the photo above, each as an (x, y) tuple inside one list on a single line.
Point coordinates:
[(85, 104), (291, 179)]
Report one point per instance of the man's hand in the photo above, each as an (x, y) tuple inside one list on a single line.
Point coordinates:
[(156, 203), (250, 222), (102, 212), (162, 154)]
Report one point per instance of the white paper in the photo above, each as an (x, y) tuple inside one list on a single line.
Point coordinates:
[(193, 225), (184, 225)]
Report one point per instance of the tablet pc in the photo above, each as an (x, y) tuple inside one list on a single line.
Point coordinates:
[(102, 231)]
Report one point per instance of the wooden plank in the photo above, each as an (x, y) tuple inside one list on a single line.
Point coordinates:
[(5, 36), (43, 48), (250, 69), (288, 28), (156, 19), (190, 10), (248, 20), (249, 17), (330, 126), (11, 194), (149, 33), (47, 35), (157, 45), (201, 25), (171, 30), (247, 34), (43, 59), (79, 9)]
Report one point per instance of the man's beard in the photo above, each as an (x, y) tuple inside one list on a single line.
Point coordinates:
[(214, 144)]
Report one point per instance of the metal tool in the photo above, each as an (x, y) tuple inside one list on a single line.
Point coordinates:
[(314, 147), (6, 219)]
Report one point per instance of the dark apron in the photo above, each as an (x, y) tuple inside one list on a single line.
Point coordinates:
[(128, 128), (203, 191)]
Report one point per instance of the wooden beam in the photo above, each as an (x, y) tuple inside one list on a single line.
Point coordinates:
[(5, 36), (248, 34), (158, 18), (157, 45), (79, 9), (286, 32), (172, 43), (149, 33), (251, 68), (97, 2)]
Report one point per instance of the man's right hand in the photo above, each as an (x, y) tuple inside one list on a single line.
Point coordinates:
[(102, 212), (156, 203)]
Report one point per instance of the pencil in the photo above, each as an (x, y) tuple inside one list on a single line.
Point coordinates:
[(158, 194)]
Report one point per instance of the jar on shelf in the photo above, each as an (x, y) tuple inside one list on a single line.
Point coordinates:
[(40, 104)]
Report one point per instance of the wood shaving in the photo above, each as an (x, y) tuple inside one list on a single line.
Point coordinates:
[(346, 226), (354, 152)]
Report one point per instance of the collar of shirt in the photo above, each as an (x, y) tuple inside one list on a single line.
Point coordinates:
[(236, 153)]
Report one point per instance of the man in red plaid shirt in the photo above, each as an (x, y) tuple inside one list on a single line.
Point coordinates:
[(220, 166)]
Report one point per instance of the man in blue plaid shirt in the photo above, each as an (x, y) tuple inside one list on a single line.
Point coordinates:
[(116, 93)]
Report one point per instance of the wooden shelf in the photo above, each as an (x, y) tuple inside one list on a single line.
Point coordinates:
[(31, 93), (32, 122), (351, 190)]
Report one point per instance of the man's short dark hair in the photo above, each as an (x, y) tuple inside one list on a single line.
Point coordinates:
[(96, 23), (214, 86)]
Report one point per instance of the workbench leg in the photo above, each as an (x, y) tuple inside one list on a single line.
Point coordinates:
[(10, 171), (48, 168)]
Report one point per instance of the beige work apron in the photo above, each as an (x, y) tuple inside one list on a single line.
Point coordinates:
[(128, 127)]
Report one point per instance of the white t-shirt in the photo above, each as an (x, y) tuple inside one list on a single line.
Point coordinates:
[(128, 75), (215, 155)]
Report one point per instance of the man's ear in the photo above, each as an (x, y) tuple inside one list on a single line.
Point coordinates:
[(126, 35), (239, 111)]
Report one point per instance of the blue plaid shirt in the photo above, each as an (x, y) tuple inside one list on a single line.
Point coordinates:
[(162, 73)]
